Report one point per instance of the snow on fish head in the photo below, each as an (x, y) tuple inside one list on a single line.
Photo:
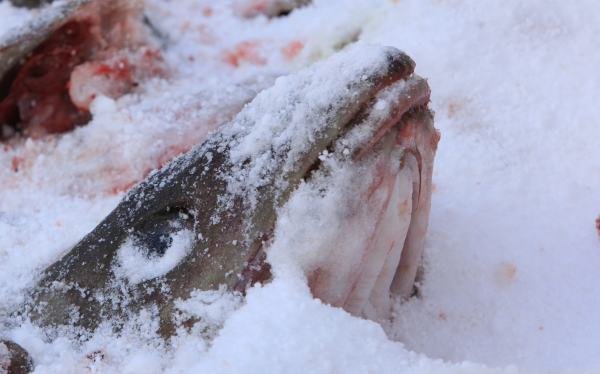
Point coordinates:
[(209, 218)]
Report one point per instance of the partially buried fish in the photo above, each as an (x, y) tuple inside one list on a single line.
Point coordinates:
[(207, 219), (53, 67)]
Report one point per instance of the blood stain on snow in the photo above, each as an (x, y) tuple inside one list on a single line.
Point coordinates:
[(170, 153), (453, 108), (506, 273), (244, 52), (292, 49), (120, 188), (207, 11), (15, 163), (257, 6)]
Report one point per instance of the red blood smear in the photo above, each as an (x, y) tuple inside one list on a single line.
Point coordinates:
[(292, 50), (38, 99), (244, 52)]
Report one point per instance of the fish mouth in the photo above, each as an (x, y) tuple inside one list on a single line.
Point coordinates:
[(405, 96), (393, 135)]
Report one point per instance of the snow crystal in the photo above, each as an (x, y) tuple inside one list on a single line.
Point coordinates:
[(209, 308)]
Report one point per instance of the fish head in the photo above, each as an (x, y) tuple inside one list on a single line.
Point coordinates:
[(18, 43), (50, 67), (357, 223), (207, 219)]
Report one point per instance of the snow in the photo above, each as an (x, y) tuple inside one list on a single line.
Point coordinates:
[(12, 16), (258, 338), (134, 264), (512, 250)]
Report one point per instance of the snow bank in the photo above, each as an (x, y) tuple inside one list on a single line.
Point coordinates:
[(298, 333), (512, 252)]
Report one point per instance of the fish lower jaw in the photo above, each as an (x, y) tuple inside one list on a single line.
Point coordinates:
[(359, 274)]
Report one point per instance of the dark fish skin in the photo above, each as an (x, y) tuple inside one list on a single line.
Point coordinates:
[(81, 289), (17, 360), (29, 3), (271, 8)]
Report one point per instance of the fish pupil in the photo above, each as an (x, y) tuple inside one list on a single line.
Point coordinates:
[(155, 235)]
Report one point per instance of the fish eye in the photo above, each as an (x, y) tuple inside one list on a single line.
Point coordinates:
[(155, 235), (156, 246)]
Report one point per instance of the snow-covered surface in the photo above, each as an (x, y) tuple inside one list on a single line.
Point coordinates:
[(13, 17), (512, 251)]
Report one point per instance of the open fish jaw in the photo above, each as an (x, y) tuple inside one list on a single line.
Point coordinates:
[(225, 192), (344, 225), (359, 227)]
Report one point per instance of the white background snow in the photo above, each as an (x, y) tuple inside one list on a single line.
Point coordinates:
[(512, 253)]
